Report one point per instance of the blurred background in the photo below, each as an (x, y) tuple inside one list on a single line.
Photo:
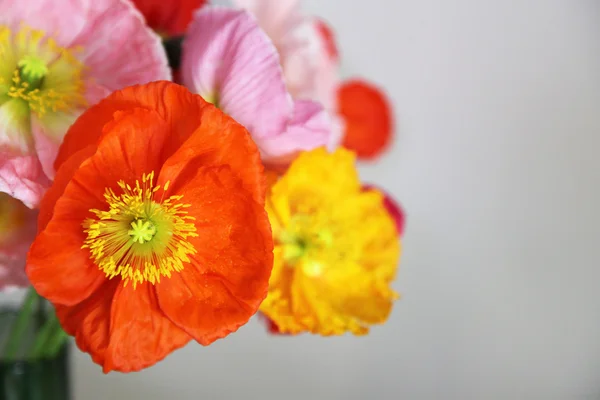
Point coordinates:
[(496, 162)]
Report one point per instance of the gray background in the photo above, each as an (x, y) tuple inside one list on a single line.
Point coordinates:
[(498, 104)]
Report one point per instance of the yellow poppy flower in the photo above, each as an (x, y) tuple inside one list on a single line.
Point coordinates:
[(336, 249)]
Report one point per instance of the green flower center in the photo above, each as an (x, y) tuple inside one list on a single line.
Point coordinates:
[(32, 71), (304, 235), (142, 231)]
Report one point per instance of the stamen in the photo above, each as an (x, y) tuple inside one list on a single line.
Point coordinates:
[(49, 78), (140, 238), (310, 238)]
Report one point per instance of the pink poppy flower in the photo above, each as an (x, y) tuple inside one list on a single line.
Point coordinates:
[(58, 58), (17, 231), (307, 50), (229, 61)]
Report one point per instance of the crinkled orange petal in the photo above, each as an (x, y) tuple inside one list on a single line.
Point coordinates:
[(132, 146), (168, 17), (57, 266), (140, 334), (227, 279), (165, 98), (61, 180), (217, 138), (368, 118), (89, 321)]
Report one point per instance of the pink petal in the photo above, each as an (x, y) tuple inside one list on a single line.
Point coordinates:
[(310, 71), (48, 16), (229, 60), (274, 16), (310, 128), (21, 174), (118, 48), (338, 125), (48, 133)]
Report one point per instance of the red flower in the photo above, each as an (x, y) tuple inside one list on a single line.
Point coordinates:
[(368, 117), (154, 232), (169, 17)]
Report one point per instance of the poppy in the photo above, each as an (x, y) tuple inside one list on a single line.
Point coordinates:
[(336, 249), (168, 17), (367, 116), (229, 61), (154, 232), (56, 62)]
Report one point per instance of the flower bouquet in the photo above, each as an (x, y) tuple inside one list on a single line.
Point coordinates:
[(170, 169)]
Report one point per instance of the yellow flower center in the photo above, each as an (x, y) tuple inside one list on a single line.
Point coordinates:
[(311, 240), (141, 237), (34, 69)]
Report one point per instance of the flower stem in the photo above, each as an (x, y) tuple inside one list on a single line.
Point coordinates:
[(20, 325), (43, 336), (55, 341)]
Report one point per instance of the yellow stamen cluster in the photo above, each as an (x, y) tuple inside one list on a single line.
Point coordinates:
[(35, 69), (140, 237)]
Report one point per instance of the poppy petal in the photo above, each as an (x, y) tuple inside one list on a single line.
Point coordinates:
[(47, 132), (230, 61), (310, 128), (140, 334), (62, 179), (59, 269), (392, 206), (227, 278), (158, 96), (219, 140), (168, 17), (182, 110), (368, 118), (328, 37), (89, 321), (21, 174)]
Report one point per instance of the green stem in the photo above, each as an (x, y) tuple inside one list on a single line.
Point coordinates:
[(42, 337), (56, 341), (20, 326)]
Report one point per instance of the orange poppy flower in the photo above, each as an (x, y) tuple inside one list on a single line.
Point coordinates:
[(168, 17), (368, 117), (154, 231)]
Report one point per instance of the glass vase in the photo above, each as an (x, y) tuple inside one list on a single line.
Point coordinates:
[(24, 377)]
